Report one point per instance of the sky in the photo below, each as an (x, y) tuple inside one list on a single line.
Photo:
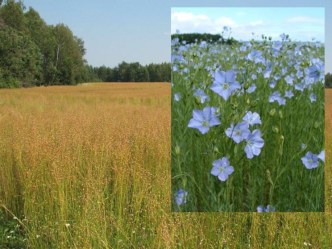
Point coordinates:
[(301, 24), (139, 30)]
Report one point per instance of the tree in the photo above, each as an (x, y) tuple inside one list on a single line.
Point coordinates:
[(68, 61), (154, 73), (12, 14), (43, 37), (20, 59)]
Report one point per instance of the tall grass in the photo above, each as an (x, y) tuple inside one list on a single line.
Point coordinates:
[(89, 167)]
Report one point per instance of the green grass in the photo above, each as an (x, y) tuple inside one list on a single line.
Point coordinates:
[(277, 175)]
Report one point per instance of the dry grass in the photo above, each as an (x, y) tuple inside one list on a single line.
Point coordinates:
[(97, 157), (85, 156)]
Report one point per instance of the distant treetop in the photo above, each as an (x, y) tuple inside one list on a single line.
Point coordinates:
[(190, 38)]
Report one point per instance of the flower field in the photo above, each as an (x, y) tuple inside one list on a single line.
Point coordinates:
[(90, 167), (248, 126)]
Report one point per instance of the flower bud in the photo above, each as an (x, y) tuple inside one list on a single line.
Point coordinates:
[(275, 129), (316, 125), (272, 112), (177, 150)]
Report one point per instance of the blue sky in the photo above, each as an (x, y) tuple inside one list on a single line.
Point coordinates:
[(301, 24), (139, 30)]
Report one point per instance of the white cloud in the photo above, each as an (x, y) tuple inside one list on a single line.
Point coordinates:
[(187, 22)]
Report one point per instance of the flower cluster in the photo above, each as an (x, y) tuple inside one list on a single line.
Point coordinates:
[(246, 109), (268, 208), (241, 131)]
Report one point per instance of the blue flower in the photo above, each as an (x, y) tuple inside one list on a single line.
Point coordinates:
[(251, 89), (181, 197), (203, 44), (284, 70), (276, 96), (255, 56), (289, 94), (252, 118), (269, 208), (299, 74), (300, 86), (177, 97), (310, 160), (268, 70), (312, 97), (273, 84), (204, 119), (175, 41), (225, 83), (200, 94), (276, 46), (243, 48), (177, 58), (239, 132), (316, 71), (283, 37), (260, 209), (321, 155), (289, 80), (254, 144), (222, 169)]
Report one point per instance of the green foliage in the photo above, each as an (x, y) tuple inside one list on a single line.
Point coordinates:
[(42, 36), (20, 59), (13, 15), (130, 72), (328, 80), (69, 56), (34, 53), (11, 233), (198, 37)]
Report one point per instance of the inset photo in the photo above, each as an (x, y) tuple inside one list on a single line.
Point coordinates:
[(247, 109)]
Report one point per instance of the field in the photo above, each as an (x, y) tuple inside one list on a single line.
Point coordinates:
[(89, 167)]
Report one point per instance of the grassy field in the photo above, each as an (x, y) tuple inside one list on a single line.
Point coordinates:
[(89, 167)]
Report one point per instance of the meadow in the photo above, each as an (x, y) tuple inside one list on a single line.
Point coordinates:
[(90, 167), (248, 126)]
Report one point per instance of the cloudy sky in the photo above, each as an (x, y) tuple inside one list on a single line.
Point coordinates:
[(300, 23), (139, 30)]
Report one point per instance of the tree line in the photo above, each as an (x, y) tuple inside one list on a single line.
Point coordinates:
[(131, 72), (33, 53), (190, 38)]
